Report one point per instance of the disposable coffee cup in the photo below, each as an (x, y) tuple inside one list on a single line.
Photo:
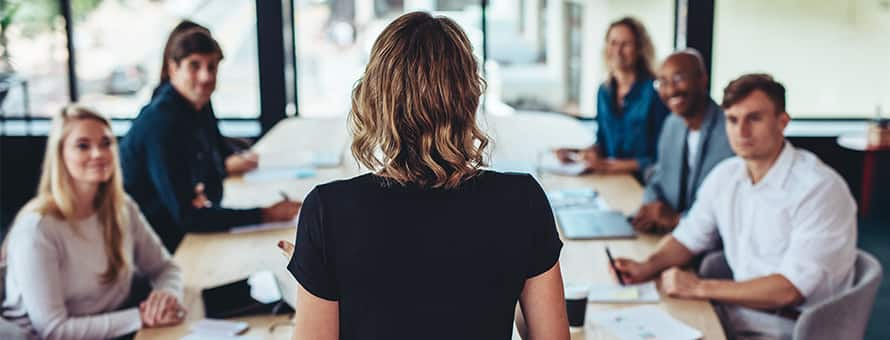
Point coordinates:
[(576, 304)]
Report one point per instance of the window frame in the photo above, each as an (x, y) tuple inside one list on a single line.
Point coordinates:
[(278, 92)]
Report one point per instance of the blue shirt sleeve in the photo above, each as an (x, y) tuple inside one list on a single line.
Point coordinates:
[(602, 111), (657, 114)]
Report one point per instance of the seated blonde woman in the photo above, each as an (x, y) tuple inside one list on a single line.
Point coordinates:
[(428, 245), (73, 250)]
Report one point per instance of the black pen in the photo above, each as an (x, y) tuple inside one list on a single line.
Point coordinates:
[(284, 196), (612, 263)]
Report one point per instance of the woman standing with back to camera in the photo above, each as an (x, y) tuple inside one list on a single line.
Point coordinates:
[(428, 245)]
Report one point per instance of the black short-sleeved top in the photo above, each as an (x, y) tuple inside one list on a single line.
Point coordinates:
[(407, 263)]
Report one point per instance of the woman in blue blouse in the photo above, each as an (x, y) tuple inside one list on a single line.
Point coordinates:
[(629, 112)]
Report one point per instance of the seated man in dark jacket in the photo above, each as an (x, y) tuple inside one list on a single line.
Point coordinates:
[(174, 158)]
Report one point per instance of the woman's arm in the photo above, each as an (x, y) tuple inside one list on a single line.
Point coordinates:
[(544, 307), (316, 318), (151, 257)]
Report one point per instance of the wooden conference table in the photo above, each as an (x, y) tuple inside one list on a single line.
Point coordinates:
[(209, 260)]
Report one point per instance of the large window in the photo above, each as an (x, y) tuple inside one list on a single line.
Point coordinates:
[(118, 46), (546, 55), (334, 39), (833, 56), (33, 58)]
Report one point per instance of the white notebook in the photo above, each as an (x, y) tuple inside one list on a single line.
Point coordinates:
[(643, 323)]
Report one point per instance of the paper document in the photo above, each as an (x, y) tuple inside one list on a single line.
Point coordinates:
[(219, 327), (276, 174), (615, 293), (643, 323)]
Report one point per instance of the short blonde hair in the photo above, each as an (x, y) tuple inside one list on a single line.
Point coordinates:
[(413, 116), (56, 197)]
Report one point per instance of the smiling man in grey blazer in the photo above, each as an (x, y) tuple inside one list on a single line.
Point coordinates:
[(693, 140)]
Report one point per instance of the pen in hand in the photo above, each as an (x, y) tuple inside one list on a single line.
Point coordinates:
[(612, 264), (284, 196)]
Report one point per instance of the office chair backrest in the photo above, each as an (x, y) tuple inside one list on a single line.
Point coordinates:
[(846, 315)]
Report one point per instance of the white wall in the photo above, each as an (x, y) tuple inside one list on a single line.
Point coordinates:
[(833, 56)]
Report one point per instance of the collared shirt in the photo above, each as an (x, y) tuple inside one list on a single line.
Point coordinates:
[(633, 131), (799, 221), (692, 146)]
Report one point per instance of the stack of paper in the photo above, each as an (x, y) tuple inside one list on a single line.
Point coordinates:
[(643, 323)]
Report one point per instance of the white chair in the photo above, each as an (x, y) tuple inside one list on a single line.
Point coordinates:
[(843, 317), (846, 315)]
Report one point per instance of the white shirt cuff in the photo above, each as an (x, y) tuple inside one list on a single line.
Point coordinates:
[(688, 239), (805, 278)]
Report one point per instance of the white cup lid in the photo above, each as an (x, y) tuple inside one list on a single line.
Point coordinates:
[(576, 291)]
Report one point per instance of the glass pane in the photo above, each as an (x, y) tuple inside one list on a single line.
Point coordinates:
[(33, 58), (334, 40), (119, 43), (546, 55), (838, 65)]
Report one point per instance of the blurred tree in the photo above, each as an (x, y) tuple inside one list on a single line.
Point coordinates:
[(34, 17)]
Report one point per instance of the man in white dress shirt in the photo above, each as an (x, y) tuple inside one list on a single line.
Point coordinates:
[(787, 222)]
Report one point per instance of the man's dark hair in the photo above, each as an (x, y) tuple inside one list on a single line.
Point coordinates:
[(193, 41), (183, 26), (741, 88)]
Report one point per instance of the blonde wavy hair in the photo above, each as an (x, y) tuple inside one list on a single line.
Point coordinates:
[(56, 197), (645, 65), (413, 116)]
